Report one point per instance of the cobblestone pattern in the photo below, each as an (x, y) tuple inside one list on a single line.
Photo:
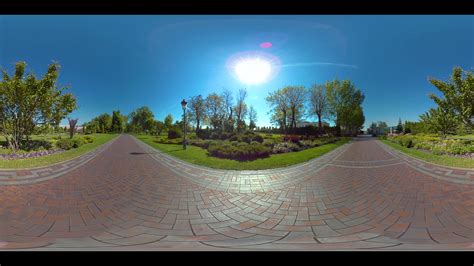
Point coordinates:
[(126, 200), (39, 174), (458, 175)]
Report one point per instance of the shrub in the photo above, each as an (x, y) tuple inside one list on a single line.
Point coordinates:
[(285, 147), (174, 133), (65, 144), (236, 137), (439, 149), (77, 142), (35, 145), (241, 152), (459, 148), (269, 143), (258, 138), (203, 133), (88, 139), (292, 138)]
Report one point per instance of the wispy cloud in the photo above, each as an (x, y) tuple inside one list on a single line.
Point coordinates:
[(320, 64)]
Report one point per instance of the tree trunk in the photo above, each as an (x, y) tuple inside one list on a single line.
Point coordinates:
[(320, 125)]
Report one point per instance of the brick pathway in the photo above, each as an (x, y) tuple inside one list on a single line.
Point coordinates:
[(361, 196)]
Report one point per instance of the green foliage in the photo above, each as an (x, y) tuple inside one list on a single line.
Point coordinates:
[(458, 96), (26, 101), (174, 133), (68, 143), (345, 102), (168, 122), (88, 139), (65, 144), (242, 152), (117, 123), (142, 120), (435, 144), (440, 120)]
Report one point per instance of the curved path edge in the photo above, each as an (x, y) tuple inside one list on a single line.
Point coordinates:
[(244, 181), (451, 174), (44, 173)]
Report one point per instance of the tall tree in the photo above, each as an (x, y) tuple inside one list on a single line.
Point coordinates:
[(399, 126), (318, 103), (227, 105), (142, 119), (252, 118), (26, 101), (240, 109), (279, 109), (105, 122), (295, 96), (72, 126), (168, 122), (458, 96), (197, 110), (159, 127), (117, 124), (215, 110), (343, 97)]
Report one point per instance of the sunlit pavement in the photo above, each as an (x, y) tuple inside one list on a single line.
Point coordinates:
[(128, 196)]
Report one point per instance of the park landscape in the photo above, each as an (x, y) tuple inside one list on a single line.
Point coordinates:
[(215, 178)]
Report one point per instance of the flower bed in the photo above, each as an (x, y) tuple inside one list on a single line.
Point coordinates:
[(431, 143), (38, 148), (24, 155)]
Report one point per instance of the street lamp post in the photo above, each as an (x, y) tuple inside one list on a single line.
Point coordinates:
[(183, 104)]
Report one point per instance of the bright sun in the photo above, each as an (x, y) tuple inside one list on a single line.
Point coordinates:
[(253, 70)]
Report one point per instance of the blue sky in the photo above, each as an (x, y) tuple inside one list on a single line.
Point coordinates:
[(124, 62)]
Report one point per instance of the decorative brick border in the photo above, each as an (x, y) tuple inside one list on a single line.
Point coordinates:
[(44, 173), (451, 174)]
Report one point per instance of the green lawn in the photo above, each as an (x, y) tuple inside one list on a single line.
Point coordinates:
[(433, 158), (197, 155), (56, 158)]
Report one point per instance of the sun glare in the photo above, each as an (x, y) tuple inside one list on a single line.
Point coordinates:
[(253, 70)]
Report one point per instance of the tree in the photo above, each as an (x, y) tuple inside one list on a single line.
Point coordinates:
[(105, 122), (399, 126), (142, 119), (227, 106), (356, 120), (318, 103), (343, 98), (458, 96), (159, 126), (215, 110), (72, 126), (440, 120), (279, 109), (168, 122), (197, 110), (378, 128), (117, 124), (240, 109), (295, 97), (26, 102), (252, 118)]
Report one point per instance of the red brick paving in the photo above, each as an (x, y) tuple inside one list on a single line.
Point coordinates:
[(364, 197)]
